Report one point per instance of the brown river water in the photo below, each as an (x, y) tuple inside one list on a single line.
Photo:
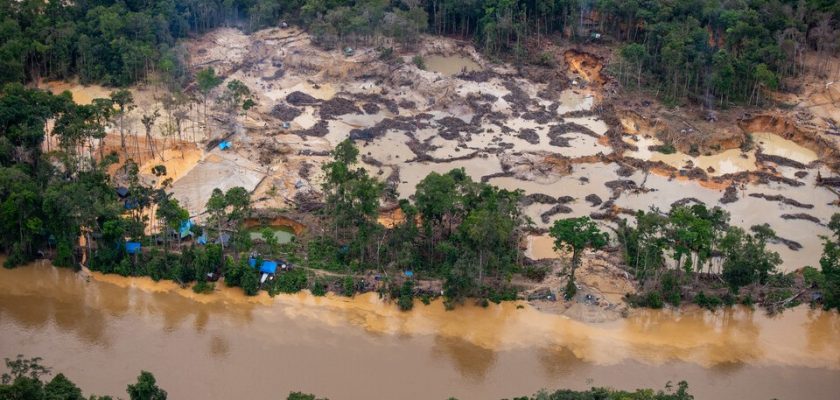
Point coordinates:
[(103, 330)]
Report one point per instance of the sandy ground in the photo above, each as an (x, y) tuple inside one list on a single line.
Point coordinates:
[(554, 136)]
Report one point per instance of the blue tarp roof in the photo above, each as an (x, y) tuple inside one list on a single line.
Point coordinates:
[(132, 247), (409, 273), (131, 204), (184, 231), (224, 145), (268, 267), (252, 262), (202, 239), (122, 191)]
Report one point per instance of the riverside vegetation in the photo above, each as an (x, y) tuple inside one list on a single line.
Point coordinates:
[(462, 232)]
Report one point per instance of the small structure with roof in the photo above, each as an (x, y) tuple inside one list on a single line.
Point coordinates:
[(132, 247)]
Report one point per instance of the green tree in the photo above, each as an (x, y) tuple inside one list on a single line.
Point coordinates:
[(146, 388), (577, 234), (125, 101), (207, 81)]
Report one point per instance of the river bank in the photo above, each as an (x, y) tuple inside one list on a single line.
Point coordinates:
[(303, 342)]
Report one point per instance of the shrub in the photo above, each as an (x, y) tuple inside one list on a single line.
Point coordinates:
[(710, 302), (348, 286), (292, 281), (666, 148), (204, 287), (319, 288), (63, 255), (406, 296), (536, 273), (419, 61), (250, 282)]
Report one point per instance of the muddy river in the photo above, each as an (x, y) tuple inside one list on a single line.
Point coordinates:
[(101, 331)]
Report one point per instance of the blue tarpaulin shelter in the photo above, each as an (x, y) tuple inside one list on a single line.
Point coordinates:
[(132, 247), (202, 239), (224, 145), (184, 231), (268, 267), (130, 204), (252, 262), (409, 273)]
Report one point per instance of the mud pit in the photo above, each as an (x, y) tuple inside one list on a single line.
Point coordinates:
[(498, 126), (560, 140)]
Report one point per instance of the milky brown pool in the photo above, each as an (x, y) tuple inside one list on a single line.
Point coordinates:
[(101, 331)]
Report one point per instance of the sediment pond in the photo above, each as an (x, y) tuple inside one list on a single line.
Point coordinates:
[(102, 330)]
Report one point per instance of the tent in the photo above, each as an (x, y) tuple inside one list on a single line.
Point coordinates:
[(268, 267), (252, 262), (224, 145), (122, 191), (409, 273), (202, 239), (184, 231), (132, 247)]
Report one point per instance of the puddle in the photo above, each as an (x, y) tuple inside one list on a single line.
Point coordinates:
[(81, 94), (541, 247), (450, 65), (726, 162), (571, 101), (776, 145)]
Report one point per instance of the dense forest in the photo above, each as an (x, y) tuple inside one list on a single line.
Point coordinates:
[(707, 51)]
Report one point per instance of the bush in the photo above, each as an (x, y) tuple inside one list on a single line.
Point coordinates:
[(653, 299), (235, 271), (419, 61), (63, 255), (710, 302), (426, 299), (124, 267), (250, 282), (536, 273), (319, 288), (671, 288), (292, 281), (204, 287), (406, 297), (666, 148), (348, 286)]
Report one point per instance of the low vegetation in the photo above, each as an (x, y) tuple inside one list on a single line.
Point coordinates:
[(26, 380)]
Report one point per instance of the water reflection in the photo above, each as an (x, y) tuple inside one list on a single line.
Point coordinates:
[(473, 362), (361, 341)]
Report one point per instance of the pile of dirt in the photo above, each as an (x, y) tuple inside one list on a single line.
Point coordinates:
[(557, 209), (338, 106), (452, 127), (284, 112), (730, 195), (318, 130), (541, 198), (298, 98), (594, 199), (555, 135), (803, 216), (780, 198), (529, 135)]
